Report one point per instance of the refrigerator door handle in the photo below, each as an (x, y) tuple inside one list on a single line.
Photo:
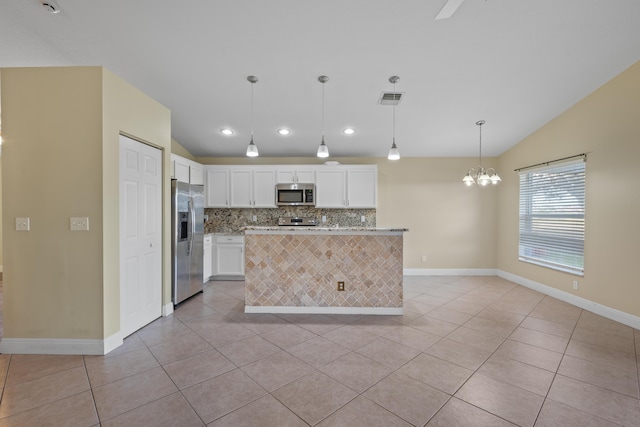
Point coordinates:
[(192, 211)]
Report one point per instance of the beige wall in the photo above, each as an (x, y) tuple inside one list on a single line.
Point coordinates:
[(178, 149), (606, 125), (1, 245), (52, 159), (130, 112), (454, 226), (61, 155)]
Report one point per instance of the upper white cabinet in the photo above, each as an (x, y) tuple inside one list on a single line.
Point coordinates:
[(196, 173), (331, 191), (217, 187), (285, 175), (351, 186), (342, 186), (362, 187), (186, 170), (264, 188), (240, 187)]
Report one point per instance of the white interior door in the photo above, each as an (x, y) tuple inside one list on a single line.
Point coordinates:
[(140, 235)]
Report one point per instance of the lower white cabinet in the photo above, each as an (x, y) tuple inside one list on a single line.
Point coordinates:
[(228, 259), (207, 270)]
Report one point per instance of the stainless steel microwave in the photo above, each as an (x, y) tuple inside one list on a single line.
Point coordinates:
[(295, 194)]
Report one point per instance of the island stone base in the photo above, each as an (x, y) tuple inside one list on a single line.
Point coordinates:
[(299, 271)]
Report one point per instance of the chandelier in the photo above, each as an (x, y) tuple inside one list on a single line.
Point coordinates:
[(480, 175)]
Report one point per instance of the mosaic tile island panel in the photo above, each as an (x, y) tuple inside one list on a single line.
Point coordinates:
[(300, 268)]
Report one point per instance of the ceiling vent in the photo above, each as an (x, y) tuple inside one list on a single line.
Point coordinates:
[(390, 98)]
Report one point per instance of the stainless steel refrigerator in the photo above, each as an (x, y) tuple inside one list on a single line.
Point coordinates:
[(187, 229)]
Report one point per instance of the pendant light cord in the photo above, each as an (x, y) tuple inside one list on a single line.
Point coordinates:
[(394, 113), (480, 152), (252, 83), (322, 111)]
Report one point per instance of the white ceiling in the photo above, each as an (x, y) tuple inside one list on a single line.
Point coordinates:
[(515, 64)]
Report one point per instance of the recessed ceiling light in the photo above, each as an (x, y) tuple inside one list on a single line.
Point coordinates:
[(226, 131), (284, 131), (349, 131)]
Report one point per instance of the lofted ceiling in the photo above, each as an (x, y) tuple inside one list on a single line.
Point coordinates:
[(515, 64)]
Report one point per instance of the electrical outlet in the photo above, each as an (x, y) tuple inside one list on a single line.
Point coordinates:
[(79, 223), (362, 218), (575, 285), (255, 218), (324, 218), (22, 224), (341, 286), (424, 258)]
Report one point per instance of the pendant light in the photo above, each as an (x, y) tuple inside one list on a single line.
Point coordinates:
[(252, 149), (394, 154), (323, 151), (480, 175)]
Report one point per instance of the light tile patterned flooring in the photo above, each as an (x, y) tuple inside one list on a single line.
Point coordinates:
[(469, 351)]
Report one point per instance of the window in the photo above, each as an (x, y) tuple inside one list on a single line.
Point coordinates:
[(552, 216)]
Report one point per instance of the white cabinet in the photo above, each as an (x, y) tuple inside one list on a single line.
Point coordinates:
[(207, 265), (341, 186), (253, 188), (186, 170), (264, 188), (240, 188), (286, 175), (362, 187), (351, 186), (331, 188), (228, 256), (217, 188), (196, 173), (180, 169)]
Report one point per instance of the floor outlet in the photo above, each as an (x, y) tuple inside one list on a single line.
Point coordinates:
[(575, 285), (341, 286)]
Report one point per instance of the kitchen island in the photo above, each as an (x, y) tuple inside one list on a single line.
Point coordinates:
[(300, 269)]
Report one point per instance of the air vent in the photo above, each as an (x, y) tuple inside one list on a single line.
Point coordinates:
[(390, 98)]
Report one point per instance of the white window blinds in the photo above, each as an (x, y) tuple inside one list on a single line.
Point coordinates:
[(552, 216)]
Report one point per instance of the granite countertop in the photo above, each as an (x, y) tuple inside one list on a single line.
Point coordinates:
[(323, 229)]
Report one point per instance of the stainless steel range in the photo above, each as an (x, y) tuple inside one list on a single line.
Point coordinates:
[(295, 221)]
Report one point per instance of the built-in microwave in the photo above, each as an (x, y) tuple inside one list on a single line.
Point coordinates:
[(295, 194)]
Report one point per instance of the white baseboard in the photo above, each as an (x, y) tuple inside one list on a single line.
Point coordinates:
[(167, 309), (59, 346), (389, 311), (450, 272), (602, 310)]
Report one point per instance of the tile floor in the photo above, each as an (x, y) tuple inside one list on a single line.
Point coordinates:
[(469, 351)]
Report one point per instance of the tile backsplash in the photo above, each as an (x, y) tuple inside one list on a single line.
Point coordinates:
[(226, 220)]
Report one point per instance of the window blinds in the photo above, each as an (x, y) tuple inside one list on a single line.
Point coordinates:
[(552, 204)]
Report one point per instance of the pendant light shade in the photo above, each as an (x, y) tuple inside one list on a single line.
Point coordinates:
[(252, 149), (480, 175), (394, 154), (323, 150)]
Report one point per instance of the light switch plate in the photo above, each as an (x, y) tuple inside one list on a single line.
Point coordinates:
[(79, 223), (22, 224)]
